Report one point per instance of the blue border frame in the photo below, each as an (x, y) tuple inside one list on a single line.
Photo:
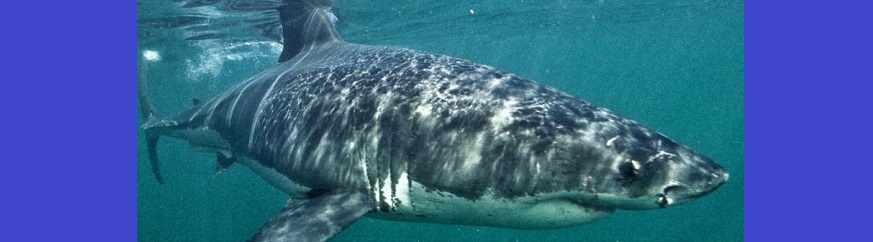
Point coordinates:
[(68, 121), (68, 171)]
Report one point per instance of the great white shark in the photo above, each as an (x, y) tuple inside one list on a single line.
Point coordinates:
[(349, 130)]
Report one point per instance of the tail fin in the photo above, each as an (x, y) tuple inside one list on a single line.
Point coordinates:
[(152, 143), (148, 114)]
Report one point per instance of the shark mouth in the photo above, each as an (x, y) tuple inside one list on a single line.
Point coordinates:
[(677, 193)]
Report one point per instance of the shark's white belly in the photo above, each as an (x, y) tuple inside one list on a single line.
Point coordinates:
[(275, 178), (416, 203)]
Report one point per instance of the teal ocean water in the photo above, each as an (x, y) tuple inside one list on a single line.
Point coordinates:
[(675, 66)]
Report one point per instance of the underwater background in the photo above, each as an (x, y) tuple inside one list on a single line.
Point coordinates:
[(675, 66)]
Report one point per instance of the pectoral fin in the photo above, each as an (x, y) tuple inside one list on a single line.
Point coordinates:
[(314, 219)]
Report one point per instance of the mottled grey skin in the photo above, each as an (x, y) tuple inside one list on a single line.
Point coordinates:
[(338, 117), (315, 118)]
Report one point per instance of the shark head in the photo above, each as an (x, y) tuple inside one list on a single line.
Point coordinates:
[(651, 171)]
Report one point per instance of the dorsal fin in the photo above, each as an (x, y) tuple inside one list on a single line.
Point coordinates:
[(305, 24)]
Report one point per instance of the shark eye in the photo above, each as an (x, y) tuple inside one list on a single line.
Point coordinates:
[(629, 169)]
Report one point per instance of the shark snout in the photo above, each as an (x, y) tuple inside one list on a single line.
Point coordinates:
[(696, 185)]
